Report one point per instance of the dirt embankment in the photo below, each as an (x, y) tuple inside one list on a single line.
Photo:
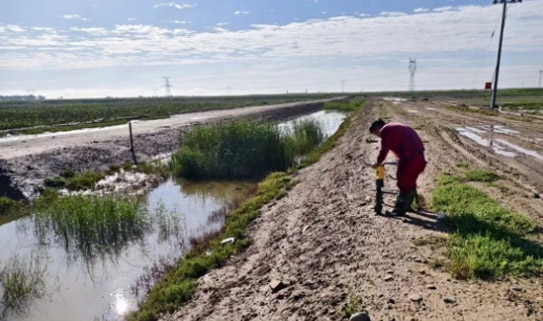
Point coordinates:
[(26, 164), (325, 245)]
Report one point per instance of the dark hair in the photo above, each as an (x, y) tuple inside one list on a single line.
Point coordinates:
[(377, 124)]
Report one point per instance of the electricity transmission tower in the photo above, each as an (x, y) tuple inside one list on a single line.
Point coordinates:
[(412, 71), (495, 87), (540, 72), (342, 84), (167, 85)]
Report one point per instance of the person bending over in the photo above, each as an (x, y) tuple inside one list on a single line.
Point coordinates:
[(406, 144)]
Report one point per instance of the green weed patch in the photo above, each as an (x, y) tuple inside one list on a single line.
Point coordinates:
[(487, 240), (484, 176)]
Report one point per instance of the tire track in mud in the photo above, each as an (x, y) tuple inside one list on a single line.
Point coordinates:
[(325, 244)]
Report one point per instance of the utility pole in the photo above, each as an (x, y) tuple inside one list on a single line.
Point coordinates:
[(495, 87), (342, 85), (541, 71), (412, 71)]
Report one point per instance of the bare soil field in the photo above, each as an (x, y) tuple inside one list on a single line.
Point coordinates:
[(322, 245), (26, 161)]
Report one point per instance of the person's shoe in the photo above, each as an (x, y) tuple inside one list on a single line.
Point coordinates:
[(395, 213)]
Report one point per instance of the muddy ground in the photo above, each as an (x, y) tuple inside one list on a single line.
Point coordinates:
[(22, 177), (325, 245)]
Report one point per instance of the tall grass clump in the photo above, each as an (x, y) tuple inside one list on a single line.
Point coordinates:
[(303, 137), (347, 106), (487, 240), (242, 149), (88, 227), (21, 282)]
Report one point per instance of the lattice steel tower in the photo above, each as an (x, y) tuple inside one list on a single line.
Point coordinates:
[(412, 71), (168, 86)]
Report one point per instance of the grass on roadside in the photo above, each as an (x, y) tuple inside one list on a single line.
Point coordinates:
[(481, 175), (350, 106), (487, 240)]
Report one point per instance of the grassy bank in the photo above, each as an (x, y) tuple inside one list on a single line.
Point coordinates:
[(487, 240), (243, 149), (179, 284)]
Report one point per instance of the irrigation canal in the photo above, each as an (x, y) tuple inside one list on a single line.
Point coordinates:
[(105, 284)]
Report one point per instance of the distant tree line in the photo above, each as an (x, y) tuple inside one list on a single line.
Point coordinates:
[(21, 98)]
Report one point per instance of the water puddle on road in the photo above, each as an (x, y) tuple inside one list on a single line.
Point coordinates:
[(103, 281), (499, 146)]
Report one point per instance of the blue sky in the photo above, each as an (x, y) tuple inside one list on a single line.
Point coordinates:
[(211, 47)]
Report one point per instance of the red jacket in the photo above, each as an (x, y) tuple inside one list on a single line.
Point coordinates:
[(401, 139)]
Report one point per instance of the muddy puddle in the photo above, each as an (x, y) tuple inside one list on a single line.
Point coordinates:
[(104, 281), (483, 136)]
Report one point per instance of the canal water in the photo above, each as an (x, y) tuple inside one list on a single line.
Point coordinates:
[(108, 286)]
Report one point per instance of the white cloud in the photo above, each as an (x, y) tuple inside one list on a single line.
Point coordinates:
[(443, 9), (421, 10), (74, 17), (222, 24), (392, 14), (131, 19), (174, 5), (239, 12)]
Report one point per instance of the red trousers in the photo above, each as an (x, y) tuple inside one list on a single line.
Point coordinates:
[(409, 169)]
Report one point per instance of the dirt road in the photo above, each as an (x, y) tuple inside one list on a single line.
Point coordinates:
[(325, 244)]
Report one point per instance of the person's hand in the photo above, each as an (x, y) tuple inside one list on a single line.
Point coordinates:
[(375, 165)]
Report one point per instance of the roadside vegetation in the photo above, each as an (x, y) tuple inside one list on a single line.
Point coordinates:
[(348, 106), (487, 241), (57, 115)]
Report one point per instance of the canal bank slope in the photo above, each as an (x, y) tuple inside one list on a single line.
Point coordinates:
[(320, 252)]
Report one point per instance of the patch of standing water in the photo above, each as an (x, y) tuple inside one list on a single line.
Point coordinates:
[(328, 120), (519, 149), (83, 288), (472, 133), (79, 289)]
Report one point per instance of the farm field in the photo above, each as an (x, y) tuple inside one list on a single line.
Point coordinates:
[(32, 117)]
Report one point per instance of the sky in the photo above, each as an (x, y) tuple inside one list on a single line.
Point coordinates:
[(125, 48)]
